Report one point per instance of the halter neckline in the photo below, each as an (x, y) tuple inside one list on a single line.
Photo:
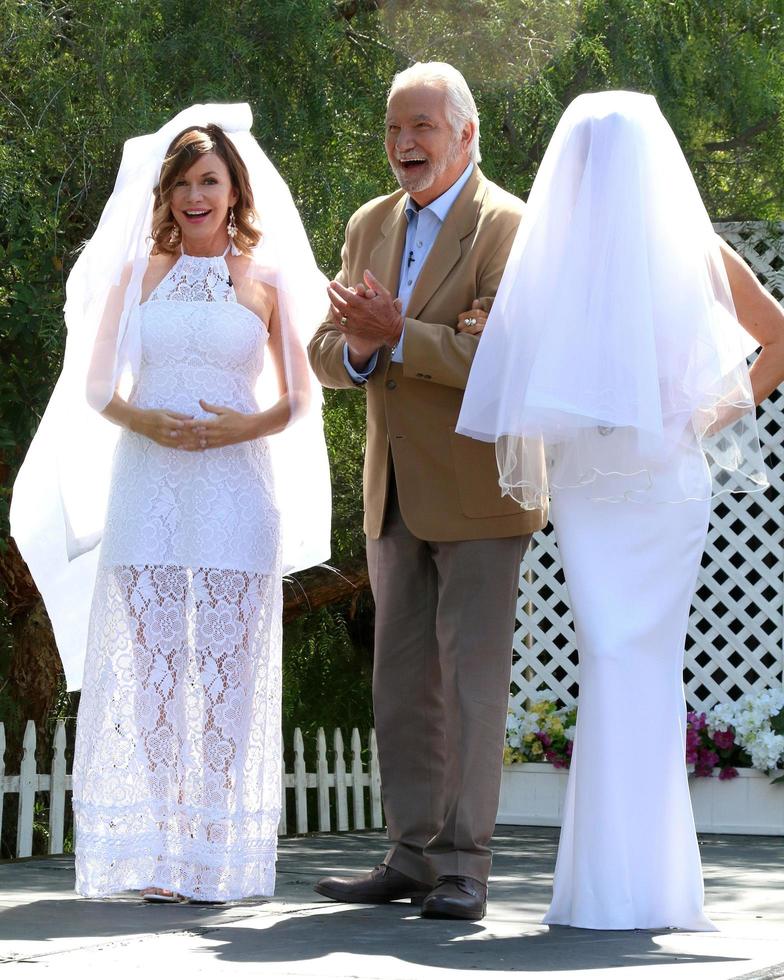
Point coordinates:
[(187, 255)]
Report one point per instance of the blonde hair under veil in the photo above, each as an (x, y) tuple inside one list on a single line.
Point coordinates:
[(61, 492)]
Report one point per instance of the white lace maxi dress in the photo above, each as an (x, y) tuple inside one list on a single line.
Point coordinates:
[(177, 760)]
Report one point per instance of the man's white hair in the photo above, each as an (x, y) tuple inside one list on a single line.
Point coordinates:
[(460, 106)]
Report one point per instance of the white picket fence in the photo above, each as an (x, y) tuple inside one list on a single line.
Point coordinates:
[(331, 787), (29, 782)]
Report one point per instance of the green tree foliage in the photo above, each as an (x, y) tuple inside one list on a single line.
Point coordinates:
[(78, 77), (715, 66)]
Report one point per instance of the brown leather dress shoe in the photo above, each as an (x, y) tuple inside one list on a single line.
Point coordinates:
[(382, 884), (456, 897)]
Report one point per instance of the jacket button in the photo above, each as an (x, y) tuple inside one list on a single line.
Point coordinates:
[(391, 384)]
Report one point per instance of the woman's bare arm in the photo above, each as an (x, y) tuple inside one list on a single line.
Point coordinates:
[(759, 314)]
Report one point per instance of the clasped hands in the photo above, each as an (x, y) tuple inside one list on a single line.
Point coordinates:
[(178, 431)]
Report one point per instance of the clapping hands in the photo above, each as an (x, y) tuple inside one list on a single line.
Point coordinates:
[(367, 315)]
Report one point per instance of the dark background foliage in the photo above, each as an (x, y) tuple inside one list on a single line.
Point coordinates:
[(78, 78)]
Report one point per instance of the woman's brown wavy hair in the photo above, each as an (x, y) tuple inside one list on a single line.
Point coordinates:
[(184, 150)]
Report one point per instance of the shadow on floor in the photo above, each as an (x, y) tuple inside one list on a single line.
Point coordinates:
[(249, 932)]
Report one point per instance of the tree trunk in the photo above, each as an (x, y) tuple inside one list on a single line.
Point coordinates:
[(323, 585), (36, 671)]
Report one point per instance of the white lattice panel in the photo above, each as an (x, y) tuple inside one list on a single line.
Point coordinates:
[(736, 627)]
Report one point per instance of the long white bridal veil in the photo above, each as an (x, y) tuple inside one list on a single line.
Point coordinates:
[(613, 342), (60, 495)]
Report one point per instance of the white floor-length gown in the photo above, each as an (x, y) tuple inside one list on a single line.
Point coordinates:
[(612, 377), (178, 748), (628, 855)]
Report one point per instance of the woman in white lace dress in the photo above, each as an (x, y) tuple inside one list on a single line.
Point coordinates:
[(178, 751)]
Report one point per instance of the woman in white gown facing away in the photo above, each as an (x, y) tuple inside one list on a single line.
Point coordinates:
[(612, 376), (187, 314)]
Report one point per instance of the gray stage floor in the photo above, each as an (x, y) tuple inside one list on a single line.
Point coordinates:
[(45, 926)]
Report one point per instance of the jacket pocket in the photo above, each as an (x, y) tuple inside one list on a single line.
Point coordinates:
[(476, 475)]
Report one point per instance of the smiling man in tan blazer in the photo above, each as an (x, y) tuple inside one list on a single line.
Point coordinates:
[(444, 547)]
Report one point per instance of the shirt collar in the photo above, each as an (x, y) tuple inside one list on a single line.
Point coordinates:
[(440, 207)]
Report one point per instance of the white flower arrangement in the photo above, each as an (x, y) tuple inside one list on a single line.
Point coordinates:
[(544, 733), (734, 733), (757, 719)]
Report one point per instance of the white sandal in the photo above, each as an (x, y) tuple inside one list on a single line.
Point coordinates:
[(161, 896)]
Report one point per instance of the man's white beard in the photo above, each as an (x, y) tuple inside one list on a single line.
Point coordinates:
[(417, 184)]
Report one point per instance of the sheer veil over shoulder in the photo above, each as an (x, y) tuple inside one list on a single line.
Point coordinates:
[(60, 495), (615, 255)]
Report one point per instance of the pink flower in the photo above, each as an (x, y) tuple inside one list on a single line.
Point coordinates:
[(724, 740), (705, 762), (728, 773), (544, 739), (692, 745), (695, 721)]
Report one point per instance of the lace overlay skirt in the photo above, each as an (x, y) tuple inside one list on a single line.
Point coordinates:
[(177, 765)]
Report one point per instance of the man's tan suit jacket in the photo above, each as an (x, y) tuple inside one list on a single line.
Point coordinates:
[(447, 484)]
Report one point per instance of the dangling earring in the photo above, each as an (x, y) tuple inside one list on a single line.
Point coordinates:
[(231, 231), (174, 235)]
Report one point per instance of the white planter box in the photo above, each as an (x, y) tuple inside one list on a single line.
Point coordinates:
[(532, 793), (747, 804)]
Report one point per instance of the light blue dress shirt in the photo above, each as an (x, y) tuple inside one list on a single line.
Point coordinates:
[(424, 225)]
